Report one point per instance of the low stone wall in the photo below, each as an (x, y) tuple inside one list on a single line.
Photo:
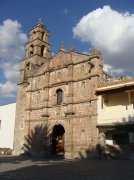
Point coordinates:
[(5, 151)]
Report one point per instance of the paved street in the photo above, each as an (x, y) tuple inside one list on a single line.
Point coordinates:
[(12, 168)]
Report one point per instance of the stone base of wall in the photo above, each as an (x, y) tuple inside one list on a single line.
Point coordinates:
[(68, 155), (5, 151)]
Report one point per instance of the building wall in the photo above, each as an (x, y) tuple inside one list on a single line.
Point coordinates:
[(7, 117), (115, 122), (77, 75), (36, 103), (116, 108)]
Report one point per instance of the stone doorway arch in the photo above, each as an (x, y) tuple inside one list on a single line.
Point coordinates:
[(58, 140)]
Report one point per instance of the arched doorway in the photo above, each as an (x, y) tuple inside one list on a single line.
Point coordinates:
[(58, 140)]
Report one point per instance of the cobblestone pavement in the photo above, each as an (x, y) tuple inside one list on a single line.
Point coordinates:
[(18, 168)]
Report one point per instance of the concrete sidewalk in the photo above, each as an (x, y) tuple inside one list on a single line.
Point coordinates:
[(18, 168)]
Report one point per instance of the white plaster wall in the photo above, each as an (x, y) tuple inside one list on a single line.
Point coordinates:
[(7, 117), (110, 142), (114, 110)]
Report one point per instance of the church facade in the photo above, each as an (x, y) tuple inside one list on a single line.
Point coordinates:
[(56, 107)]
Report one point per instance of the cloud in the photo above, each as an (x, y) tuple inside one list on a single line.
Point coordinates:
[(111, 70), (113, 33), (8, 89), (12, 41)]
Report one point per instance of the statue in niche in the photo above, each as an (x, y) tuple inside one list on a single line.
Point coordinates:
[(83, 88), (59, 75), (44, 96)]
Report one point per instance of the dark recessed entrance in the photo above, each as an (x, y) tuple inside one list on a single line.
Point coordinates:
[(58, 140)]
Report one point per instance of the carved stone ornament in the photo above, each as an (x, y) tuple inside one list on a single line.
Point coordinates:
[(94, 52)]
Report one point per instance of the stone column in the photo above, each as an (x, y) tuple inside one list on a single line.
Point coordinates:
[(70, 89), (45, 99), (69, 138), (70, 97)]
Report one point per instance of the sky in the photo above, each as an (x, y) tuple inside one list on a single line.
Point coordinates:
[(107, 25)]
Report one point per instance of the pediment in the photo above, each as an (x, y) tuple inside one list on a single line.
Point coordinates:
[(60, 59)]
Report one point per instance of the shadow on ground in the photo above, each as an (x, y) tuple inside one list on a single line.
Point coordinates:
[(67, 170)]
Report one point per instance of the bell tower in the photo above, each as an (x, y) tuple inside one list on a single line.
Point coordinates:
[(36, 52)]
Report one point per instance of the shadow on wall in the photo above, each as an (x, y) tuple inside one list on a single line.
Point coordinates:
[(119, 150), (88, 153), (122, 134), (37, 142), (98, 152), (113, 152)]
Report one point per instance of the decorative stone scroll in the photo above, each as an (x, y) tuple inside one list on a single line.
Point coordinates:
[(94, 51)]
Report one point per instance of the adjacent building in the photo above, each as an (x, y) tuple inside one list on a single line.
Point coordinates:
[(7, 121), (116, 115)]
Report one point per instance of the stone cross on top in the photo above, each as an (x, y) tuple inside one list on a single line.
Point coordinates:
[(40, 20)]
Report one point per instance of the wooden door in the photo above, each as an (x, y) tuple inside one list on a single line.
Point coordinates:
[(60, 145)]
